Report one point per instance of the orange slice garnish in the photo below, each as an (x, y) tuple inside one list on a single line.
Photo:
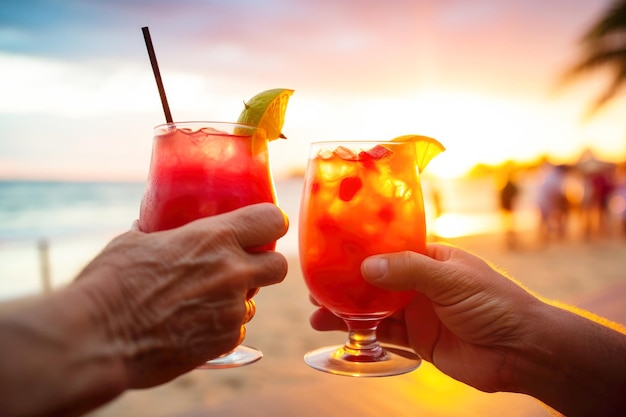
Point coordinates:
[(426, 147)]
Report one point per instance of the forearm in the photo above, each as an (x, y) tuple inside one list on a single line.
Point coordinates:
[(54, 359), (574, 363)]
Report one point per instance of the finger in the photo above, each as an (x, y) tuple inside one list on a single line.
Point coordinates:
[(313, 300), (398, 271), (266, 268), (430, 274), (392, 331), (257, 224), (251, 293), (322, 319)]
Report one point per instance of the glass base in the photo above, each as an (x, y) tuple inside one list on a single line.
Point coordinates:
[(240, 356), (332, 359)]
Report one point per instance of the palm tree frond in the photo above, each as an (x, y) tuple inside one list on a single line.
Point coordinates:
[(614, 58), (619, 80), (613, 21), (603, 46)]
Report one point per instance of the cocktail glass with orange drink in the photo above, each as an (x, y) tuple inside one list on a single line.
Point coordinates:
[(361, 199), (201, 169)]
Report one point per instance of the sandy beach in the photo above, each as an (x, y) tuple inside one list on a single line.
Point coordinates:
[(590, 274)]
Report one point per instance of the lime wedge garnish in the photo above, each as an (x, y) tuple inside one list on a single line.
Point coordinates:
[(267, 110)]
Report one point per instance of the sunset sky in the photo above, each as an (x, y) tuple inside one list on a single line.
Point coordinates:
[(78, 99)]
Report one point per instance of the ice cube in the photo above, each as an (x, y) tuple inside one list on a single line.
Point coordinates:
[(369, 157), (345, 153), (376, 153), (325, 154), (212, 131)]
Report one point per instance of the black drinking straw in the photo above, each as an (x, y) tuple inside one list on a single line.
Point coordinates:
[(157, 74)]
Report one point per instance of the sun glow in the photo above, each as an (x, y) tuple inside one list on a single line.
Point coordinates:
[(451, 225), (486, 128), (474, 128)]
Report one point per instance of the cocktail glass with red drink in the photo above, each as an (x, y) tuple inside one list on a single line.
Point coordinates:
[(200, 169), (359, 199)]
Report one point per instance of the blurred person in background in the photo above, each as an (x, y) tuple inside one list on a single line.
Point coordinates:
[(618, 198), (552, 202), (508, 195), (598, 184)]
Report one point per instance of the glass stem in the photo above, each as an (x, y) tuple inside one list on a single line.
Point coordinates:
[(362, 345)]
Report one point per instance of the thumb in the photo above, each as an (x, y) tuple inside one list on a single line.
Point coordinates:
[(408, 270)]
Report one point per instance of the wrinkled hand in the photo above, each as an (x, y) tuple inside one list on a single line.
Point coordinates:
[(171, 300), (465, 318)]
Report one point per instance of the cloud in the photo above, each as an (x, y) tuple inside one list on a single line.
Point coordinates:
[(323, 44), (358, 47), (70, 63), (43, 85)]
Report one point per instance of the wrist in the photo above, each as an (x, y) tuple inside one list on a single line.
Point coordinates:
[(535, 363), (571, 362), (60, 362), (93, 358)]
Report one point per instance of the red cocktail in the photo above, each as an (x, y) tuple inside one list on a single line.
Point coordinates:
[(200, 169), (359, 199)]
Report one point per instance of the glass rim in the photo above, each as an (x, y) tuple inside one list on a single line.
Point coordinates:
[(357, 142), (207, 123)]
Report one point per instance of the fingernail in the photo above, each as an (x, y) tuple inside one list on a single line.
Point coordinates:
[(375, 268)]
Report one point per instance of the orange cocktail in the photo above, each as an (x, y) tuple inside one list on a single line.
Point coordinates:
[(359, 199)]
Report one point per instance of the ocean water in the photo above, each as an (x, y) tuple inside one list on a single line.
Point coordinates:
[(77, 219), (74, 219), (33, 210)]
